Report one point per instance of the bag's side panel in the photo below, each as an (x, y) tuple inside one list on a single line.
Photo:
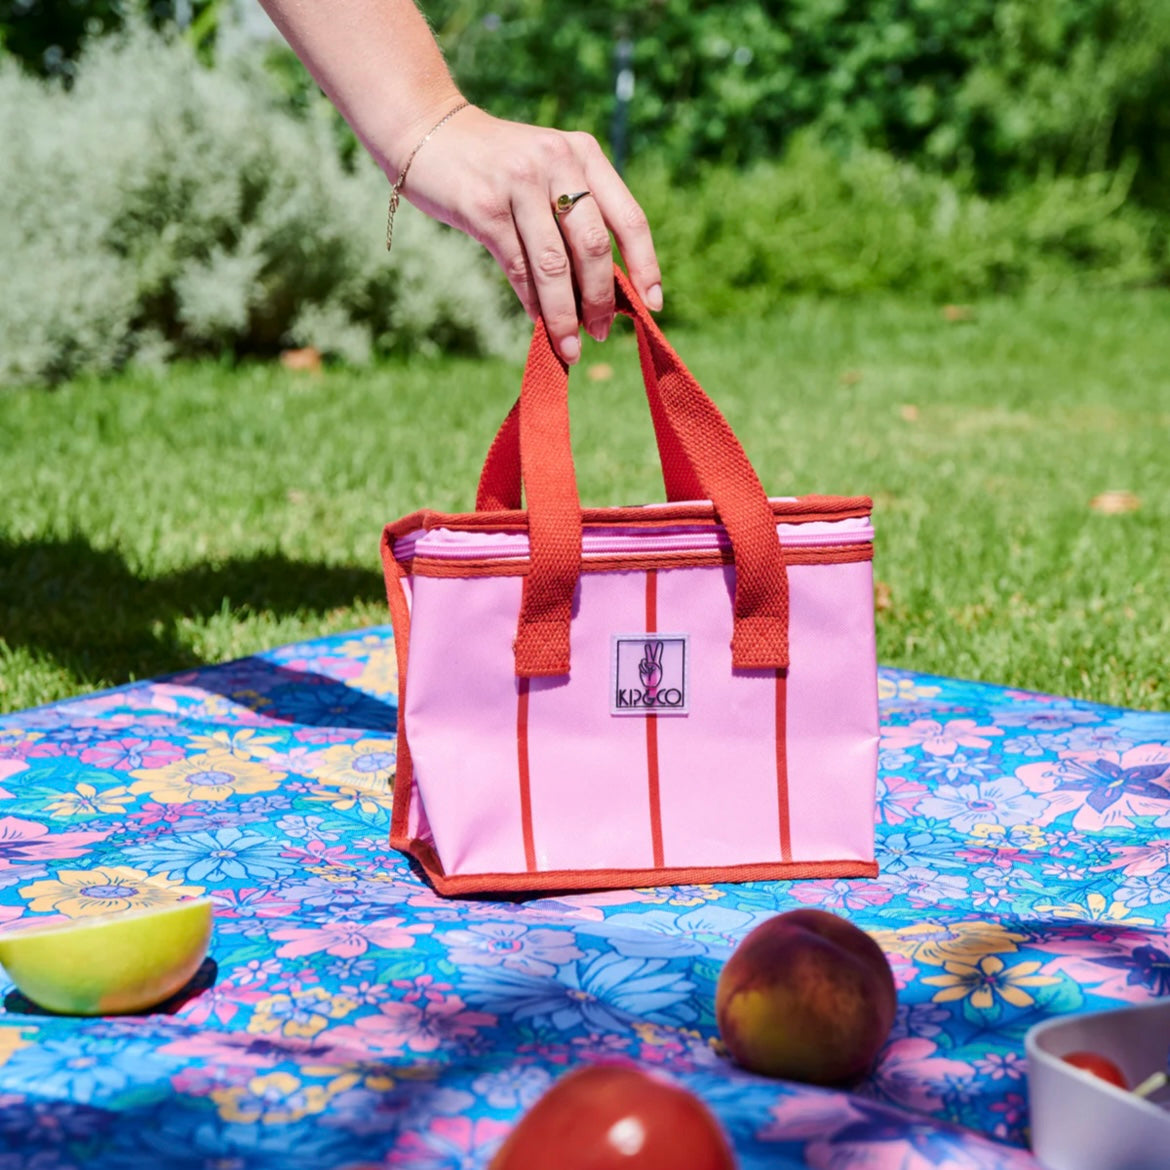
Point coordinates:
[(461, 714), (832, 712), (591, 805), (407, 819), (717, 764)]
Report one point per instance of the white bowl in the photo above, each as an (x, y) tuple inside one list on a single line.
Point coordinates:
[(1080, 1122)]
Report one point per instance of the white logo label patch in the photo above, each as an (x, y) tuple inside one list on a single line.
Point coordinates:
[(649, 674)]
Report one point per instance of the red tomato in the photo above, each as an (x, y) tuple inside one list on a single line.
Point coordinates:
[(1099, 1066), (614, 1117)]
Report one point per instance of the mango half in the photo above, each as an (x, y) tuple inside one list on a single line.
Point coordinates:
[(109, 964)]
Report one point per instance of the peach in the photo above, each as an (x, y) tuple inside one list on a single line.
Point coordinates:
[(807, 996)]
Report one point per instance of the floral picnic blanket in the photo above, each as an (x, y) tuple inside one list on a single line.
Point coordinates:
[(348, 1017)]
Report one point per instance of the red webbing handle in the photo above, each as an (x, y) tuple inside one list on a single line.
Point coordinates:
[(499, 482), (699, 451)]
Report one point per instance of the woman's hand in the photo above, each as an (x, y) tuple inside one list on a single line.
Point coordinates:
[(499, 181)]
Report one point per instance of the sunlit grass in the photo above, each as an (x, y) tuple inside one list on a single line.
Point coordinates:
[(158, 521)]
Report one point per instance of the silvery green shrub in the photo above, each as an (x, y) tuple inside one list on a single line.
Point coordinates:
[(159, 208)]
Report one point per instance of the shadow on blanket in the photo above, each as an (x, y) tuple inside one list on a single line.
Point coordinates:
[(90, 611), (296, 696), (204, 978)]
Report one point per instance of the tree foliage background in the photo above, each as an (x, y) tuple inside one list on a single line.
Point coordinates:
[(998, 92), (780, 147)]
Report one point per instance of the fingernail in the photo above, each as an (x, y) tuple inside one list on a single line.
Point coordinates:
[(654, 297), (599, 329), (571, 349)]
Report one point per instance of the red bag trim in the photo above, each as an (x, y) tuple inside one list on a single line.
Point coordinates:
[(524, 775), (781, 733), (803, 510), (576, 880), (400, 621), (652, 778), (518, 566)]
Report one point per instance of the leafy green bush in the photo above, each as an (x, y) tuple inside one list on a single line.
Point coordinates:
[(998, 91), (158, 208), (825, 224)]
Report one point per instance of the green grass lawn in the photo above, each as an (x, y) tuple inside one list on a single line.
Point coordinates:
[(158, 521)]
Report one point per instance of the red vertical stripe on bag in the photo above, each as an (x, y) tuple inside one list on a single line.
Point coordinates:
[(652, 729), (782, 763), (522, 760)]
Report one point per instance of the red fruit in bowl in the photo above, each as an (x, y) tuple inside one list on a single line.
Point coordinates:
[(806, 996), (615, 1117), (1099, 1066)]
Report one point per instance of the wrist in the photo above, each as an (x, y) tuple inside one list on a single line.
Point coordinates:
[(407, 124)]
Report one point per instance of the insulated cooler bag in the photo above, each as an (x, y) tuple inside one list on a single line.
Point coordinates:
[(620, 697)]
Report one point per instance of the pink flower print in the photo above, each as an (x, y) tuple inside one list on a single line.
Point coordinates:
[(256, 971), (425, 1019), (9, 767), (159, 814), (1139, 860), (1104, 790), (318, 853), (1014, 1111), (998, 1066), (124, 755), (220, 1002), (449, 1143), (841, 894), (937, 740), (808, 1115), (511, 945), (905, 971), (348, 938), (912, 1074), (22, 840), (51, 749), (231, 902), (10, 914), (210, 1053), (897, 798)]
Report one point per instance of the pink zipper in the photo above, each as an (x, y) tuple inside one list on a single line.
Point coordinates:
[(446, 544)]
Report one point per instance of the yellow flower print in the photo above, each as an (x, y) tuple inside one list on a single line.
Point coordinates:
[(679, 895), (253, 700), (1096, 909), (245, 744), (79, 892), (937, 943), (364, 646), (273, 1099), (979, 983), (904, 689), (87, 801), (10, 1040), (209, 776), (345, 798), (380, 673), (1025, 837), (19, 736), (304, 1013), (367, 764)]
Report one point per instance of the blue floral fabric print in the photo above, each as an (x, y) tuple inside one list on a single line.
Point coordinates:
[(350, 1017)]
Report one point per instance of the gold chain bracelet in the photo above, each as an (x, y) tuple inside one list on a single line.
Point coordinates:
[(396, 190)]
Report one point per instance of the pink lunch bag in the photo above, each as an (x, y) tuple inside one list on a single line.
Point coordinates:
[(620, 697)]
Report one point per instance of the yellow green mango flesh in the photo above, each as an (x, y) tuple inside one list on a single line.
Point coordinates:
[(109, 964)]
